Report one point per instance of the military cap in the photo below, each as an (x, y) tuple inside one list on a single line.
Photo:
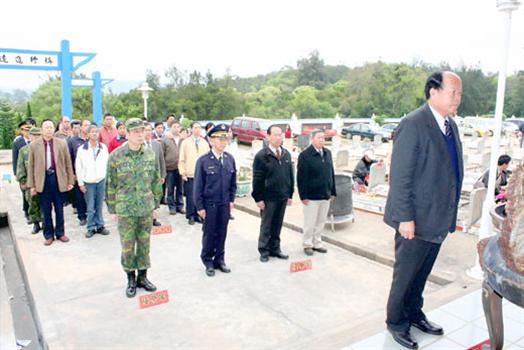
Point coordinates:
[(218, 130), (25, 124), (35, 131), (134, 123)]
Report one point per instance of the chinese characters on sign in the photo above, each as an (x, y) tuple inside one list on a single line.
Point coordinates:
[(160, 230), (303, 265), (153, 299), (28, 59)]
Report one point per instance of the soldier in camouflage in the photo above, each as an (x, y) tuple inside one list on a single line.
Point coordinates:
[(21, 174), (133, 192)]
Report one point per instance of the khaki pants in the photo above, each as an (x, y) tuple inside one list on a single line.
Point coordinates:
[(315, 217)]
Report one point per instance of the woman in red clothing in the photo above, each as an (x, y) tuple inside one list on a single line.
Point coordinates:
[(120, 138), (288, 134)]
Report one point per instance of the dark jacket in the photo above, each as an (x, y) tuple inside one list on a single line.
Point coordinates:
[(214, 183), (73, 143), (18, 143), (362, 170), (315, 175), (273, 180), (423, 186)]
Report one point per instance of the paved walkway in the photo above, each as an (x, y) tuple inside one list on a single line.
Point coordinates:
[(78, 289), (370, 237), (464, 325)]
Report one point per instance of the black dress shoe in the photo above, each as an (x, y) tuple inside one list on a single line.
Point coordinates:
[(280, 255), (210, 271), (264, 258), (320, 250), (36, 228), (428, 327), (404, 338), (156, 223), (224, 268)]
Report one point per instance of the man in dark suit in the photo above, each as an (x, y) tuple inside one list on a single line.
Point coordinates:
[(425, 182), (19, 142), (273, 186), (156, 147)]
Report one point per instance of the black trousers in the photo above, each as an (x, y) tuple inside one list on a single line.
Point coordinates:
[(215, 232), (191, 212), (272, 218), (79, 203), (414, 260), (51, 198)]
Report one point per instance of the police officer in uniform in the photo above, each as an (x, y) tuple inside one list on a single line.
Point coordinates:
[(133, 192), (214, 193)]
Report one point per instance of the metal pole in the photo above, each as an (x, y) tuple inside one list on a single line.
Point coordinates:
[(486, 228), (145, 108), (97, 97), (66, 66)]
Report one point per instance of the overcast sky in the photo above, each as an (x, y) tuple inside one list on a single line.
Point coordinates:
[(256, 37)]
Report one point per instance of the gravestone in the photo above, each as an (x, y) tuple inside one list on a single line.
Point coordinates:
[(377, 140), (377, 175), (342, 159), (474, 212)]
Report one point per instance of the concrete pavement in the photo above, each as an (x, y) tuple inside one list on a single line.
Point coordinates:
[(78, 288)]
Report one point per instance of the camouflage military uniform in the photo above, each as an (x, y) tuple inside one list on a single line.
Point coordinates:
[(21, 175), (133, 191)]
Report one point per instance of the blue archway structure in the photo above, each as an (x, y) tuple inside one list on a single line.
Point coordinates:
[(63, 61)]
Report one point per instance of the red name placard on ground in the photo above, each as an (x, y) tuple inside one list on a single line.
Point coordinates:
[(161, 230), (303, 265), (153, 299)]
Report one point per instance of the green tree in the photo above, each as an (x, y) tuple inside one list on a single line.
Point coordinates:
[(311, 71), (8, 124)]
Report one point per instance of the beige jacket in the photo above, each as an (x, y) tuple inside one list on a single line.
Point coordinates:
[(36, 168), (188, 155)]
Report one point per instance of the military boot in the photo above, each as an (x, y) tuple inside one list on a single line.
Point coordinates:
[(143, 282), (131, 284)]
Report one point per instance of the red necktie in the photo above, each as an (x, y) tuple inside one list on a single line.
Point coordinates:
[(278, 153)]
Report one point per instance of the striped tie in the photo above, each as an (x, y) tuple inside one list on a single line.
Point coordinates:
[(448, 128)]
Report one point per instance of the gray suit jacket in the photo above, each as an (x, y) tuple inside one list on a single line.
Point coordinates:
[(159, 156), (423, 186)]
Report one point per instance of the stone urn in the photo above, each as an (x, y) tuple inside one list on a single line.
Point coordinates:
[(502, 259)]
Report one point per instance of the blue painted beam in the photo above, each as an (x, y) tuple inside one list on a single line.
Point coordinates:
[(65, 61), (97, 97)]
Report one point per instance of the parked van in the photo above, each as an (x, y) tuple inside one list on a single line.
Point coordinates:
[(247, 129)]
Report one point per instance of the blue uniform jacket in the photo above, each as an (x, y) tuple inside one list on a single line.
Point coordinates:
[(214, 183)]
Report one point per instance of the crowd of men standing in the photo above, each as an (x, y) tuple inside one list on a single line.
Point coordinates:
[(133, 165)]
